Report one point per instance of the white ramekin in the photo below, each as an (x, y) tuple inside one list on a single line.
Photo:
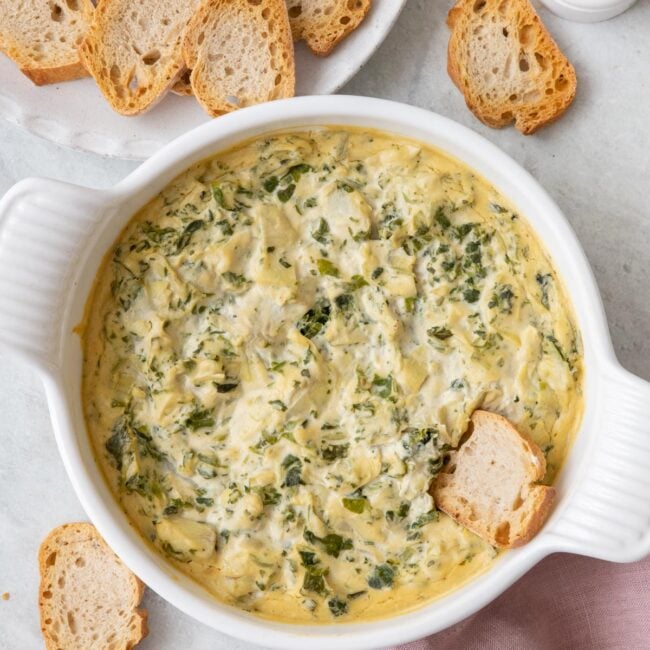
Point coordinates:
[(52, 239), (588, 11)]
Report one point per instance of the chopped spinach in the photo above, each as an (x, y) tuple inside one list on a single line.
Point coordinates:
[(414, 439), (271, 184), (332, 543), (366, 407), (269, 495), (315, 319), (330, 453), (337, 606), (439, 332), (544, 281), (461, 232), (199, 419), (442, 218), (382, 386), (499, 209), (235, 279), (402, 512), (426, 518), (298, 170), (225, 226), (187, 233), (286, 193), (308, 558), (315, 580), (293, 474), (155, 233), (558, 348), (118, 443), (503, 299), (345, 186), (174, 507), (382, 577), (344, 302), (356, 282), (322, 233), (217, 193), (389, 225)]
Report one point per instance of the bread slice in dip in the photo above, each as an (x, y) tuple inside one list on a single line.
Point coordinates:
[(491, 483)]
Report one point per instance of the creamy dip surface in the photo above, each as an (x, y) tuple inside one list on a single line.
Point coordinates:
[(281, 348)]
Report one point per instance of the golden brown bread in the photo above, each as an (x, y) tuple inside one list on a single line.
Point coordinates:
[(240, 53), (507, 65), (133, 50)]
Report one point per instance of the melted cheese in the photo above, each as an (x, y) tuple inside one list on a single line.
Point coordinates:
[(283, 345)]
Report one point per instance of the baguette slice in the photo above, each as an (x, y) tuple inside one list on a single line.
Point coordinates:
[(134, 50), (240, 53), (42, 37), (322, 24), (490, 484), (507, 65), (87, 598)]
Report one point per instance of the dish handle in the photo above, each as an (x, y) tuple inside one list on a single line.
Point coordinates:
[(608, 516), (44, 227)]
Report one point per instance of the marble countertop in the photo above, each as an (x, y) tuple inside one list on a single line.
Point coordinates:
[(595, 162)]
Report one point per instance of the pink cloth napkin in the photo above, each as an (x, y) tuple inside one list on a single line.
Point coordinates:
[(565, 603)]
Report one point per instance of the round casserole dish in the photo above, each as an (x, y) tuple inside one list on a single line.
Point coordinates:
[(52, 240)]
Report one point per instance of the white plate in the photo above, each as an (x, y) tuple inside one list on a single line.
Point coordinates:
[(75, 114)]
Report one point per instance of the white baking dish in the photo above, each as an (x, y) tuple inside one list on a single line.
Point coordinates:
[(53, 237)]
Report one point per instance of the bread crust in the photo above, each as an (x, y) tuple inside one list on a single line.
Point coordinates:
[(44, 76), (82, 532), (547, 494), (550, 97)]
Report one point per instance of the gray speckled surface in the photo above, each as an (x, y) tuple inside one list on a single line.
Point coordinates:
[(595, 162)]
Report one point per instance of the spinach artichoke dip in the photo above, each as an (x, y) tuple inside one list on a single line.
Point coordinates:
[(281, 348)]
